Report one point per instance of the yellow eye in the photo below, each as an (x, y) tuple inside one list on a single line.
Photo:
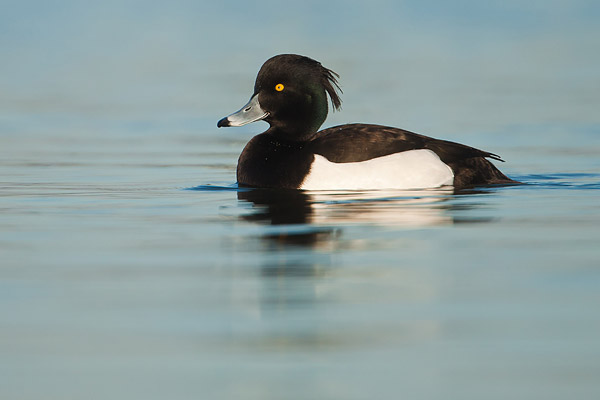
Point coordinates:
[(279, 87)]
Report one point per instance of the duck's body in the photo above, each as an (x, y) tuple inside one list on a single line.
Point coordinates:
[(290, 94)]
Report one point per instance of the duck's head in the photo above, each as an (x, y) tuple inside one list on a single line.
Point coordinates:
[(290, 94)]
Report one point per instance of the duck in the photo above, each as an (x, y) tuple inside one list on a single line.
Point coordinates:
[(292, 94)]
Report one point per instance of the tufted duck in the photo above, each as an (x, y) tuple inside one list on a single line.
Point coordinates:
[(290, 94)]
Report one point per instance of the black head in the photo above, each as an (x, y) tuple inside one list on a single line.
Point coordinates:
[(290, 93)]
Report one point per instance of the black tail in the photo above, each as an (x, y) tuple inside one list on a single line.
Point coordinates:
[(478, 171)]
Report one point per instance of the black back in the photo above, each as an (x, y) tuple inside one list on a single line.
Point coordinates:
[(360, 142)]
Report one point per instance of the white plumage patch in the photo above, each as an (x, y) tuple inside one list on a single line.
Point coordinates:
[(414, 169)]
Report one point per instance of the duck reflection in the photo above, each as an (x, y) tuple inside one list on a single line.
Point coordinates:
[(314, 220), (300, 237), (416, 208), (290, 212), (303, 229)]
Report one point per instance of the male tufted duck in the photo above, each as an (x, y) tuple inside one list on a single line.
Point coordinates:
[(290, 94)]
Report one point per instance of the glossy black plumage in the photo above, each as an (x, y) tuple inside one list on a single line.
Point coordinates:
[(269, 161), (291, 95), (360, 142)]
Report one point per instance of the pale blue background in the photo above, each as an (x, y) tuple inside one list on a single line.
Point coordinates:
[(432, 61), (117, 283)]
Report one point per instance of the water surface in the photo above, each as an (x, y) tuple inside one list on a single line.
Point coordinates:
[(132, 267)]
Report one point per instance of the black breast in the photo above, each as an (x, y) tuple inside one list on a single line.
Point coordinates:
[(273, 163)]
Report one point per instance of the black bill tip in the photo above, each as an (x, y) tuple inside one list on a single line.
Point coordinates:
[(223, 122)]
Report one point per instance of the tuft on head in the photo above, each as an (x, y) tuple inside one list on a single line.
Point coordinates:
[(332, 87), (286, 62)]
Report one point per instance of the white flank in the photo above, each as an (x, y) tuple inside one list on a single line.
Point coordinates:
[(414, 169)]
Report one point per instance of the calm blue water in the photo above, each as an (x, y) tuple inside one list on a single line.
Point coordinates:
[(131, 266)]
